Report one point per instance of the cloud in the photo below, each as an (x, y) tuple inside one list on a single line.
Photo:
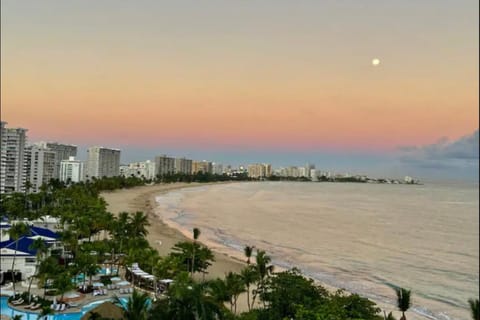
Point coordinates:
[(444, 158)]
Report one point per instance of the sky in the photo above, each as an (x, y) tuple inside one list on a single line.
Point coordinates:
[(239, 81)]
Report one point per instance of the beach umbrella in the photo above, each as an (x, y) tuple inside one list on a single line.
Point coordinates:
[(97, 284), (115, 279), (123, 283), (71, 295)]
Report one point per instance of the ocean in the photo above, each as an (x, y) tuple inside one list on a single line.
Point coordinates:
[(365, 238)]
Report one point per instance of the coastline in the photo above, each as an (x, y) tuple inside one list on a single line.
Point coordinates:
[(160, 235), (163, 236)]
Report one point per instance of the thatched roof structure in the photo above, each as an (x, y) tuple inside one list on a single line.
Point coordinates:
[(106, 310)]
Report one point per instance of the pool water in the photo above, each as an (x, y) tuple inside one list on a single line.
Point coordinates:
[(6, 310)]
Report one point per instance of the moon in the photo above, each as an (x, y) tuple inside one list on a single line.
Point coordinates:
[(375, 62)]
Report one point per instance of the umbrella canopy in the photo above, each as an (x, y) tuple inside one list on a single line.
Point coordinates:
[(123, 283), (116, 279), (98, 284), (71, 295), (105, 310)]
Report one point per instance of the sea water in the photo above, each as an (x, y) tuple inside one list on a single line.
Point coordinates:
[(366, 238)]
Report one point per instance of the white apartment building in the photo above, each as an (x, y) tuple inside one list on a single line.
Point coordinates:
[(63, 152), (40, 164), (164, 165), (183, 165), (72, 170), (12, 162), (217, 168), (144, 170), (102, 162)]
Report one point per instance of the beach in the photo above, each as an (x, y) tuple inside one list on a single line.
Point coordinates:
[(160, 236)]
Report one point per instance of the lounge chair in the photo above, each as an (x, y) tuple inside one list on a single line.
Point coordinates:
[(18, 302), (62, 307), (57, 307), (36, 306), (30, 305)]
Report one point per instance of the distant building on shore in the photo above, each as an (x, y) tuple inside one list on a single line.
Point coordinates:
[(201, 166), (259, 170), (183, 166), (62, 151), (164, 165), (143, 170), (12, 159), (40, 166), (103, 162), (72, 170)]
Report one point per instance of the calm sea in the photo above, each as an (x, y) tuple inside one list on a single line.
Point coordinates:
[(365, 238)]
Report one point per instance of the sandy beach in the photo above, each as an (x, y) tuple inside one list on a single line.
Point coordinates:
[(161, 236)]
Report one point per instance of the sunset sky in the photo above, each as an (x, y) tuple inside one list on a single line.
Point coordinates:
[(232, 78)]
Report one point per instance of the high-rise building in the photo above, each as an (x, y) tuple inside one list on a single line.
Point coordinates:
[(259, 170), (40, 164), (164, 165), (72, 170), (201, 166), (63, 152), (103, 162), (183, 165), (12, 162), (217, 168)]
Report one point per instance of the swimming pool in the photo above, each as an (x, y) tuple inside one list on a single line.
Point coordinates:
[(6, 310)]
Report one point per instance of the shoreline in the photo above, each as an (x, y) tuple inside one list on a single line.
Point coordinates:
[(163, 236)]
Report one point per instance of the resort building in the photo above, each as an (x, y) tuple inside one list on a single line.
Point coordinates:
[(25, 259), (164, 165), (259, 170), (72, 170), (12, 162), (201, 166), (102, 162), (40, 166), (62, 151), (143, 170), (217, 168), (183, 166)]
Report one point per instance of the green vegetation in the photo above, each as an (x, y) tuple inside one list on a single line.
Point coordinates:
[(474, 309), (403, 301), (93, 236)]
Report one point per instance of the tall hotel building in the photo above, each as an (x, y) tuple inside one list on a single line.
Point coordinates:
[(103, 162), (164, 165), (12, 162), (201, 166), (183, 165), (40, 166), (62, 151)]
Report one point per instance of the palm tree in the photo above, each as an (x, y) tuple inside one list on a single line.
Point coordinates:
[(196, 234), (41, 249), (403, 301), (136, 306), (16, 232), (474, 308), (235, 286), (139, 223), (249, 276), (263, 269), (248, 250)]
